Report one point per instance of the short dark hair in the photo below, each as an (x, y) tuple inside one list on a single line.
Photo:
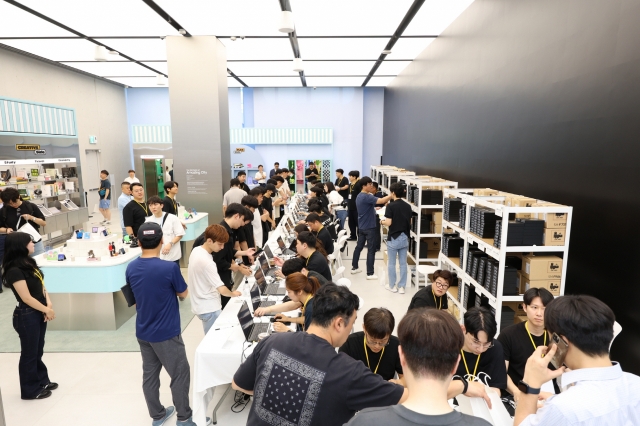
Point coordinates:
[(10, 195), (306, 237), (479, 318), (584, 320), (248, 214), (397, 189), (340, 171), (313, 217), (379, 322), (276, 164), (293, 265), (130, 171), (330, 186), (271, 187), (134, 184), (154, 200), (216, 233), (315, 206), (234, 209), (284, 170), (431, 340), (274, 181), (354, 173), (104, 172), (241, 173), (234, 182), (332, 301), (544, 295), (301, 227), (375, 184), (278, 171), (316, 190), (278, 179), (250, 201), (449, 276), (365, 180), (124, 183), (169, 185), (260, 165), (258, 190)]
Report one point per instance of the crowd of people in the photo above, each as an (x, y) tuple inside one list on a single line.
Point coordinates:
[(551, 369)]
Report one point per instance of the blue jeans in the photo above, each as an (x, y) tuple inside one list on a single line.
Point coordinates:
[(397, 247), (365, 236), (208, 319), (38, 248), (31, 328), (342, 217)]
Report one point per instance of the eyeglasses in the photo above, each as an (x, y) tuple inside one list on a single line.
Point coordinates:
[(442, 286), (381, 344), (481, 345)]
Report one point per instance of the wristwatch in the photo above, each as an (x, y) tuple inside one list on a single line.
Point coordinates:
[(527, 390)]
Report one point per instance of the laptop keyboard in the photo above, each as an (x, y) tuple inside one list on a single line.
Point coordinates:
[(273, 288), (266, 304), (258, 328)]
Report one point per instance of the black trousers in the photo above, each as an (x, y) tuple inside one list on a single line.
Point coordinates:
[(31, 328), (353, 221)]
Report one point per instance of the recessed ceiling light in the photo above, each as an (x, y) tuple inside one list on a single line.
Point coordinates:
[(386, 52)]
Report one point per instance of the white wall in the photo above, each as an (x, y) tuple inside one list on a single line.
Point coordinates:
[(100, 106), (372, 127)]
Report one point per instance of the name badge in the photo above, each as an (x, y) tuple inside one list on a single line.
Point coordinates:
[(349, 196)]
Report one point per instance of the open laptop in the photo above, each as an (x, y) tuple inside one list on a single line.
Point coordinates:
[(284, 249), (268, 251), (255, 298), (264, 263), (272, 289), (250, 329)]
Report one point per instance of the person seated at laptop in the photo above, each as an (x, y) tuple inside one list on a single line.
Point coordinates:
[(298, 264), (321, 233), (300, 289), (298, 229), (316, 258)]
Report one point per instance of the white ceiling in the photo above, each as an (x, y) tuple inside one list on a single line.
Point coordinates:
[(339, 40)]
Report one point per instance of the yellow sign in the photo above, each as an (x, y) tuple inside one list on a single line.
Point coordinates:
[(25, 147), (239, 150)]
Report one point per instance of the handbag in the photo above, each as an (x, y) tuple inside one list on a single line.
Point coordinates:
[(102, 192)]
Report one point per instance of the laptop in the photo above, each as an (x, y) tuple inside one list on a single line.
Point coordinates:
[(250, 329), (272, 289), (284, 249), (268, 251), (255, 298), (264, 263)]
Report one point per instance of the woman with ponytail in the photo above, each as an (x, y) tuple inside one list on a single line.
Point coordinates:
[(300, 290), (435, 295)]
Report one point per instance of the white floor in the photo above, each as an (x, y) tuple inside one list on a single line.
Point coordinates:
[(105, 388)]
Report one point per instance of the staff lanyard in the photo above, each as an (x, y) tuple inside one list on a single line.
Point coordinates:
[(146, 211), (175, 205), (39, 275), (367, 355), (306, 264), (352, 185), (434, 299), (526, 325), (304, 306), (466, 367)]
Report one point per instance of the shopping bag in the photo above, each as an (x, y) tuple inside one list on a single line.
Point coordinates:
[(28, 229), (497, 415)]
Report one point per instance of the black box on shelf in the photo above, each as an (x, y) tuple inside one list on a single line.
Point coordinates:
[(451, 209), (482, 264), (510, 285), (431, 197)]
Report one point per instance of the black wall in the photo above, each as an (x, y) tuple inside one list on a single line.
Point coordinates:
[(540, 98)]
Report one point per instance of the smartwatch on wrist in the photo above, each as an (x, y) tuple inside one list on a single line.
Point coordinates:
[(527, 390), (464, 382)]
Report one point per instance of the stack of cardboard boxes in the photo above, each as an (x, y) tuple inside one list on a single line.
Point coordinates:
[(436, 222), (540, 272)]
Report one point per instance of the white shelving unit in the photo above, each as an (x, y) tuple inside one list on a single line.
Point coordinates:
[(497, 204), (376, 173), (391, 176)]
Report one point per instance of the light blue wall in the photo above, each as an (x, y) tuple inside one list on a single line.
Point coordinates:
[(354, 114)]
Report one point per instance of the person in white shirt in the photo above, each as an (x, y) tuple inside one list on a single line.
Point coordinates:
[(205, 284), (123, 200), (596, 392), (335, 203), (132, 177), (172, 230), (261, 176)]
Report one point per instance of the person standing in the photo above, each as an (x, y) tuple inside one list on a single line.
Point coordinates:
[(242, 177), (261, 176), (135, 212), (105, 197), (123, 200), (33, 310), (355, 186), (366, 203), (311, 174), (342, 184), (15, 213), (233, 195), (273, 171), (398, 218), (132, 177), (167, 176), (427, 374), (172, 231), (206, 285), (336, 200), (155, 285), (169, 203)]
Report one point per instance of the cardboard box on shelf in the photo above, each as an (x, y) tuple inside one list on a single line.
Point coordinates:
[(519, 318), (554, 237), (433, 243), (542, 267), (454, 292), (433, 254), (520, 280), (554, 220), (552, 285), (516, 306), (437, 217), (520, 201), (484, 192)]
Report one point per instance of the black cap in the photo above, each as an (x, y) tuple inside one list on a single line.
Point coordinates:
[(150, 234)]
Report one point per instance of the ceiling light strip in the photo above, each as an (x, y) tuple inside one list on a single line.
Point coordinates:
[(413, 10), (293, 38), (236, 77)]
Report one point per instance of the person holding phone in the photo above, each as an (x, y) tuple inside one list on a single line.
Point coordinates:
[(595, 390)]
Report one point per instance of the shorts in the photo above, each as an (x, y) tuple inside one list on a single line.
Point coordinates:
[(104, 203)]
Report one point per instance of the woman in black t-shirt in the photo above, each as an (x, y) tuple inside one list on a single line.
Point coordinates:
[(435, 295), (33, 311), (375, 346), (300, 290)]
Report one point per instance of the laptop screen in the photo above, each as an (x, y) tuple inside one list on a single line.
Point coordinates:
[(264, 263), (262, 283), (255, 296), (246, 320), (281, 243), (287, 227), (268, 251)]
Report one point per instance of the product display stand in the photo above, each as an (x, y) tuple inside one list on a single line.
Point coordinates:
[(481, 263), (298, 182)]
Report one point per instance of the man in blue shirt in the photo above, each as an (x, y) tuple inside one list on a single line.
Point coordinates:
[(366, 204), (155, 284), (123, 200)]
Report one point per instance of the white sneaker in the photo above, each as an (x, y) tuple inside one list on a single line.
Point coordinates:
[(107, 222), (356, 271), (391, 289), (401, 290), (372, 277)]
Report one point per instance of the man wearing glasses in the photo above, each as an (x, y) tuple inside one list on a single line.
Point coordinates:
[(482, 358), (435, 295)]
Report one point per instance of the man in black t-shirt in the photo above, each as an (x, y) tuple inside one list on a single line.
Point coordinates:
[(435, 295), (136, 211), (15, 213), (427, 374), (354, 189), (342, 184), (315, 261), (321, 233), (311, 174), (299, 379), (242, 177), (520, 340), (398, 218), (169, 203)]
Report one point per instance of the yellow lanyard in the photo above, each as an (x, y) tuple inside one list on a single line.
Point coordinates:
[(352, 185), (304, 306), (526, 325), (306, 264), (467, 367), (434, 299), (367, 355), (175, 205), (39, 275), (144, 208)]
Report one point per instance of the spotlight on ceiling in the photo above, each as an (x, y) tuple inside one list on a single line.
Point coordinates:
[(161, 80), (286, 22), (182, 31), (101, 54), (113, 52), (298, 66), (386, 52)]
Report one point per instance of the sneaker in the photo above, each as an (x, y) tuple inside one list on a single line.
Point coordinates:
[(401, 290), (356, 271), (42, 395), (107, 222), (190, 422), (372, 277), (391, 289), (169, 411)]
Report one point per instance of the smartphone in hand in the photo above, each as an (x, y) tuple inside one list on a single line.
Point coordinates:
[(561, 352)]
